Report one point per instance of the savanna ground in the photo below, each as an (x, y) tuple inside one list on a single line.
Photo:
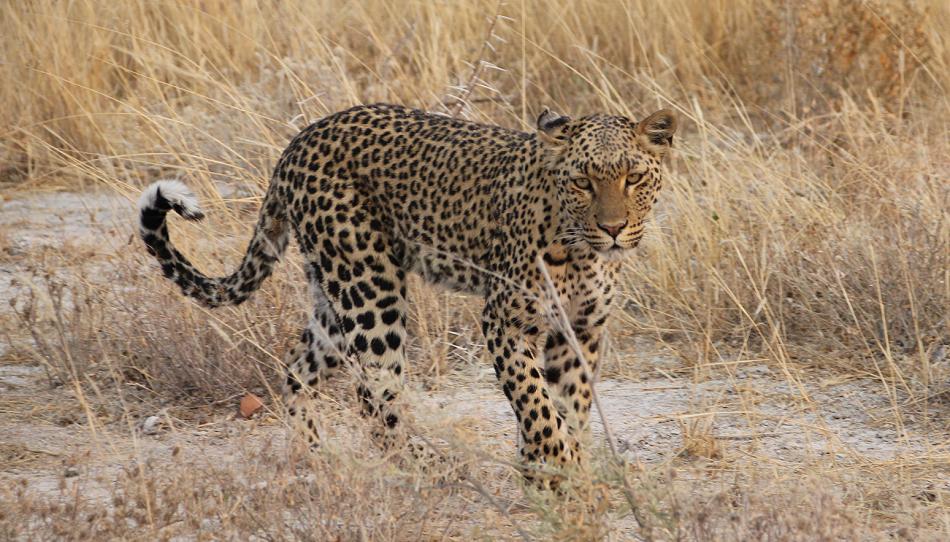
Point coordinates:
[(779, 368)]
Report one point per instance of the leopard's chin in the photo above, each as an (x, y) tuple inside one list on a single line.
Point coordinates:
[(615, 253), (612, 251)]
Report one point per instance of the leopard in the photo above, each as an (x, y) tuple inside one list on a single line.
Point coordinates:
[(537, 223)]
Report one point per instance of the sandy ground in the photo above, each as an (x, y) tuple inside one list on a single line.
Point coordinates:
[(753, 414)]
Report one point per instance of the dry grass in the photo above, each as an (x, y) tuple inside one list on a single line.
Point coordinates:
[(805, 226)]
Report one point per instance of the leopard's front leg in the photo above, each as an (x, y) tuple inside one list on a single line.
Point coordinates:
[(512, 342), (569, 368)]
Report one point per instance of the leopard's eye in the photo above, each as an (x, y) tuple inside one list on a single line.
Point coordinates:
[(635, 180), (581, 182)]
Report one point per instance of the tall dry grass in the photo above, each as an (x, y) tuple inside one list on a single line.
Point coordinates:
[(806, 215), (805, 221)]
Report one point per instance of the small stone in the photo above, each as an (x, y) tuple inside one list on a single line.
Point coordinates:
[(150, 426), (71, 472), (250, 404)]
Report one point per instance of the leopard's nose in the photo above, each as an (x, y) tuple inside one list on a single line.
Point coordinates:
[(613, 228)]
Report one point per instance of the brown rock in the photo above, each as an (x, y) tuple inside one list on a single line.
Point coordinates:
[(250, 404)]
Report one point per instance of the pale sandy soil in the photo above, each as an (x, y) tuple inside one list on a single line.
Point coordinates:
[(756, 415)]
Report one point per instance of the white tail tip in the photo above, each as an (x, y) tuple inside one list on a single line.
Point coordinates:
[(177, 196)]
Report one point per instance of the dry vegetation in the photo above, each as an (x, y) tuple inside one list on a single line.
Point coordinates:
[(805, 229)]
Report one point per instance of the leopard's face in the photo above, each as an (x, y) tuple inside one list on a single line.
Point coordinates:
[(608, 174)]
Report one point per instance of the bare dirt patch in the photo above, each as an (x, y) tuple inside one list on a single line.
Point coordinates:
[(59, 439)]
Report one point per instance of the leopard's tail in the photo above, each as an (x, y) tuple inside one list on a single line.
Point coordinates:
[(266, 247)]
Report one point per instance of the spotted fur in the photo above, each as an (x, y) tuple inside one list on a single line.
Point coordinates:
[(375, 192)]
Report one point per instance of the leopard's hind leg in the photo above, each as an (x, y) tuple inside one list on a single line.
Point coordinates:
[(357, 263), (316, 356)]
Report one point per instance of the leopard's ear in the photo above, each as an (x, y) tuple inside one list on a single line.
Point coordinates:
[(656, 132), (553, 127)]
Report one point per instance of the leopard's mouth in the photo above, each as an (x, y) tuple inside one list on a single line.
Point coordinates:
[(614, 248)]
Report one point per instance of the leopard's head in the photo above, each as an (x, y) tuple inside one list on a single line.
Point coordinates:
[(607, 172)]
